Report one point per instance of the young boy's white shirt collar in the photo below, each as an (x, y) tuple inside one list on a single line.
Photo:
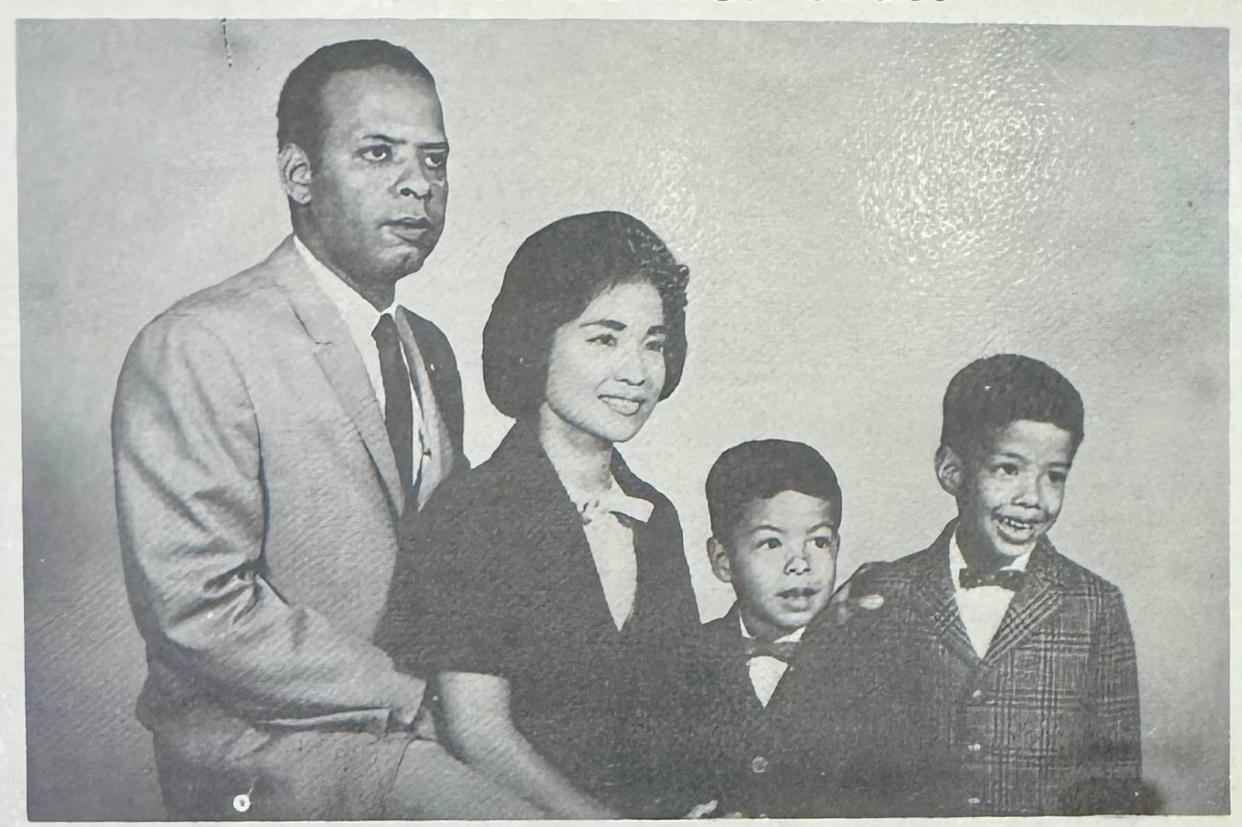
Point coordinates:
[(982, 608), (766, 672)]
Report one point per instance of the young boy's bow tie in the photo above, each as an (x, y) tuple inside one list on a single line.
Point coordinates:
[(1005, 578), (783, 650)]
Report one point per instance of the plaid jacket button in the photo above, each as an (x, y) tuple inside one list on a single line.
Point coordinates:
[(977, 694), (759, 765), (973, 801)]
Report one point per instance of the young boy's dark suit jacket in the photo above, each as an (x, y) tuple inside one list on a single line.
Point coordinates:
[(832, 740), (1048, 721)]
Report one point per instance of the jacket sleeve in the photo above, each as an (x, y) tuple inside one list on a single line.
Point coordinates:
[(1109, 778), (191, 509)]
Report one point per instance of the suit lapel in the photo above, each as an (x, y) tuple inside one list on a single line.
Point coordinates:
[(1031, 605), (438, 451), (564, 556), (340, 362), (651, 552), (938, 601)]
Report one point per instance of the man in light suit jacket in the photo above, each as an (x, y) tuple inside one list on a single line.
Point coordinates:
[(268, 433)]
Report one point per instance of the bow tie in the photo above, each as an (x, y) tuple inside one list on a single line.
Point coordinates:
[(1005, 578), (763, 649)]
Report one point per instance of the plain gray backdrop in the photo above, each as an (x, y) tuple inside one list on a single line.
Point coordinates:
[(864, 208)]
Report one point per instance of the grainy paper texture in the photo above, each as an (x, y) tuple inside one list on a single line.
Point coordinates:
[(865, 205)]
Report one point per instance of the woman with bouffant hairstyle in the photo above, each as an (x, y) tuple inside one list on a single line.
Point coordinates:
[(550, 591), (550, 281)]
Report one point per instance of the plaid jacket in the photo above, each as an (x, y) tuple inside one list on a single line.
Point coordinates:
[(1048, 721)]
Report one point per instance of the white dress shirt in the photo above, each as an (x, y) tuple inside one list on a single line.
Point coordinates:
[(983, 607), (766, 671), (612, 544), (360, 319)]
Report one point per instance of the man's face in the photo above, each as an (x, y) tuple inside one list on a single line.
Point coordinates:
[(379, 188), (781, 559), (1012, 489)]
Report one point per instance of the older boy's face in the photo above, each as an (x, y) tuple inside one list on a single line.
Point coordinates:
[(781, 560), (1013, 487)]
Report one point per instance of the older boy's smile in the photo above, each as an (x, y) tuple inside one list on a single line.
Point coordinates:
[(1018, 530), (1011, 491)]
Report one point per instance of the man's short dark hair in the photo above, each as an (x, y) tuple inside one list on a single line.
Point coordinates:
[(299, 114), (552, 278), (989, 394), (761, 469)]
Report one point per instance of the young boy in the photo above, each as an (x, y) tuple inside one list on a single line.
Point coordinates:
[(794, 728), (1027, 656)]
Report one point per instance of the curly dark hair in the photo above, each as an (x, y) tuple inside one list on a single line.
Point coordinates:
[(552, 278)]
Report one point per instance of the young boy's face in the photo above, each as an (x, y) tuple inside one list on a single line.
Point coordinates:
[(1011, 488), (781, 559)]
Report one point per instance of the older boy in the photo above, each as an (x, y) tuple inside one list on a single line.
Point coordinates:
[(1027, 656), (795, 727)]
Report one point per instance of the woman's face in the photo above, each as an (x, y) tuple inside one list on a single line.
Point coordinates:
[(606, 367)]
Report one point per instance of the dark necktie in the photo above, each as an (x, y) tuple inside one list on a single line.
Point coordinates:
[(398, 407), (760, 648), (1005, 578)]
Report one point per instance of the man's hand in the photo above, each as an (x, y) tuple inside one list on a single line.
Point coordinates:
[(843, 606)]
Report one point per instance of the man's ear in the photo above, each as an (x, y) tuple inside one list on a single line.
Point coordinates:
[(950, 470), (719, 557), (295, 173)]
